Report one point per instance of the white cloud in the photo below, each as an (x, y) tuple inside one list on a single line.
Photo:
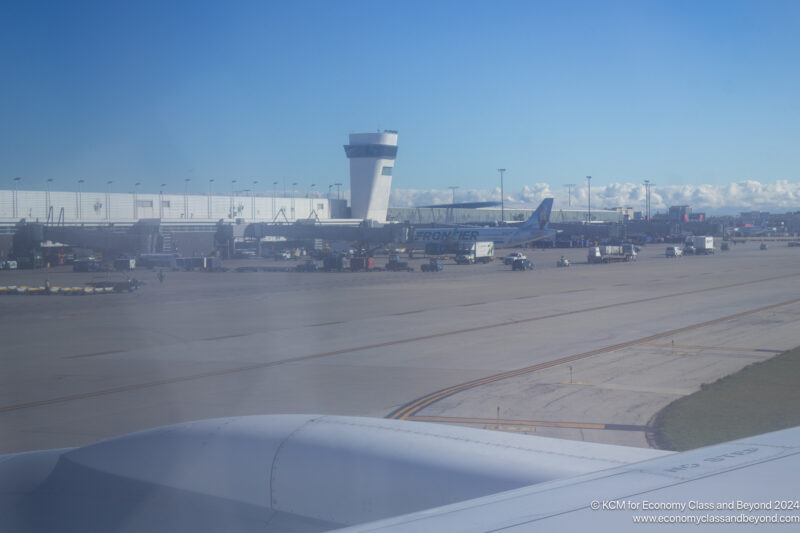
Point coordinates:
[(744, 195)]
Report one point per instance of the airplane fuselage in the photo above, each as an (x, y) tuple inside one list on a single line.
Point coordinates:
[(499, 236)]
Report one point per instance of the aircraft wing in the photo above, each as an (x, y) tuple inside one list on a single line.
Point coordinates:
[(279, 473), (751, 483), (316, 473)]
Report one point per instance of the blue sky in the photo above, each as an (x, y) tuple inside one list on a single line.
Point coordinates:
[(678, 92)]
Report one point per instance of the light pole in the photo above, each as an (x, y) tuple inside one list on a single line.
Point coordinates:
[(569, 187), (589, 182), (161, 201), (311, 191), (209, 197), (453, 188), (502, 199), (136, 200), (274, 192), (186, 197), (338, 190), (16, 184), (108, 200), (233, 194), (47, 200), (294, 184), (330, 188), (647, 185), (80, 200), (253, 200)]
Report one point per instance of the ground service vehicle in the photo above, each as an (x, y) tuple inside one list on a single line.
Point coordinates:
[(563, 262), (440, 248), (127, 285), (362, 263), (510, 258), (611, 253), (674, 251), (396, 265), (333, 263), (86, 266), (434, 265), (521, 264), (702, 244), (476, 252)]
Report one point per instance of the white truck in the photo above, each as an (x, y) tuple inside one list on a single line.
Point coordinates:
[(612, 254), (476, 252), (702, 244)]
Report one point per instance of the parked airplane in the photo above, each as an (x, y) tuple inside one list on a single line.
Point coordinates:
[(752, 230), (316, 473), (533, 229)]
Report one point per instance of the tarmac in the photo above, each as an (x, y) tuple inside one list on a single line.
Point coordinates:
[(588, 352)]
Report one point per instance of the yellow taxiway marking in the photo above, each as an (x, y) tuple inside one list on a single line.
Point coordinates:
[(419, 404), (513, 423), (512, 429), (505, 421), (720, 348)]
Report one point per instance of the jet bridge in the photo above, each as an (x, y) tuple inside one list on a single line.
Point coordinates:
[(358, 231)]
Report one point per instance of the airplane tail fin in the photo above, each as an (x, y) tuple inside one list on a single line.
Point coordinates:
[(540, 217)]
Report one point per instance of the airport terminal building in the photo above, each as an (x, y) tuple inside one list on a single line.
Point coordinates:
[(102, 208)]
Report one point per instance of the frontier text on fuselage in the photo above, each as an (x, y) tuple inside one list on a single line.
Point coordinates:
[(447, 235)]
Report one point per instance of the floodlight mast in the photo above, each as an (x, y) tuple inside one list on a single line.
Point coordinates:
[(453, 188), (569, 187), (589, 182), (502, 196)]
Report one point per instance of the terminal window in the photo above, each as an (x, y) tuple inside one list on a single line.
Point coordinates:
[(386, 171), (144, 203)]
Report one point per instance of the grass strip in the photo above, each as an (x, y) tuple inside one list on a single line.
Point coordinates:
[(760, 398)]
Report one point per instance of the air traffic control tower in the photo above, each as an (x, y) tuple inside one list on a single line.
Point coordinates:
[(371, 158)]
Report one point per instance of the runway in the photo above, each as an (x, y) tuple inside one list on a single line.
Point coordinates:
[(449, 347)]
